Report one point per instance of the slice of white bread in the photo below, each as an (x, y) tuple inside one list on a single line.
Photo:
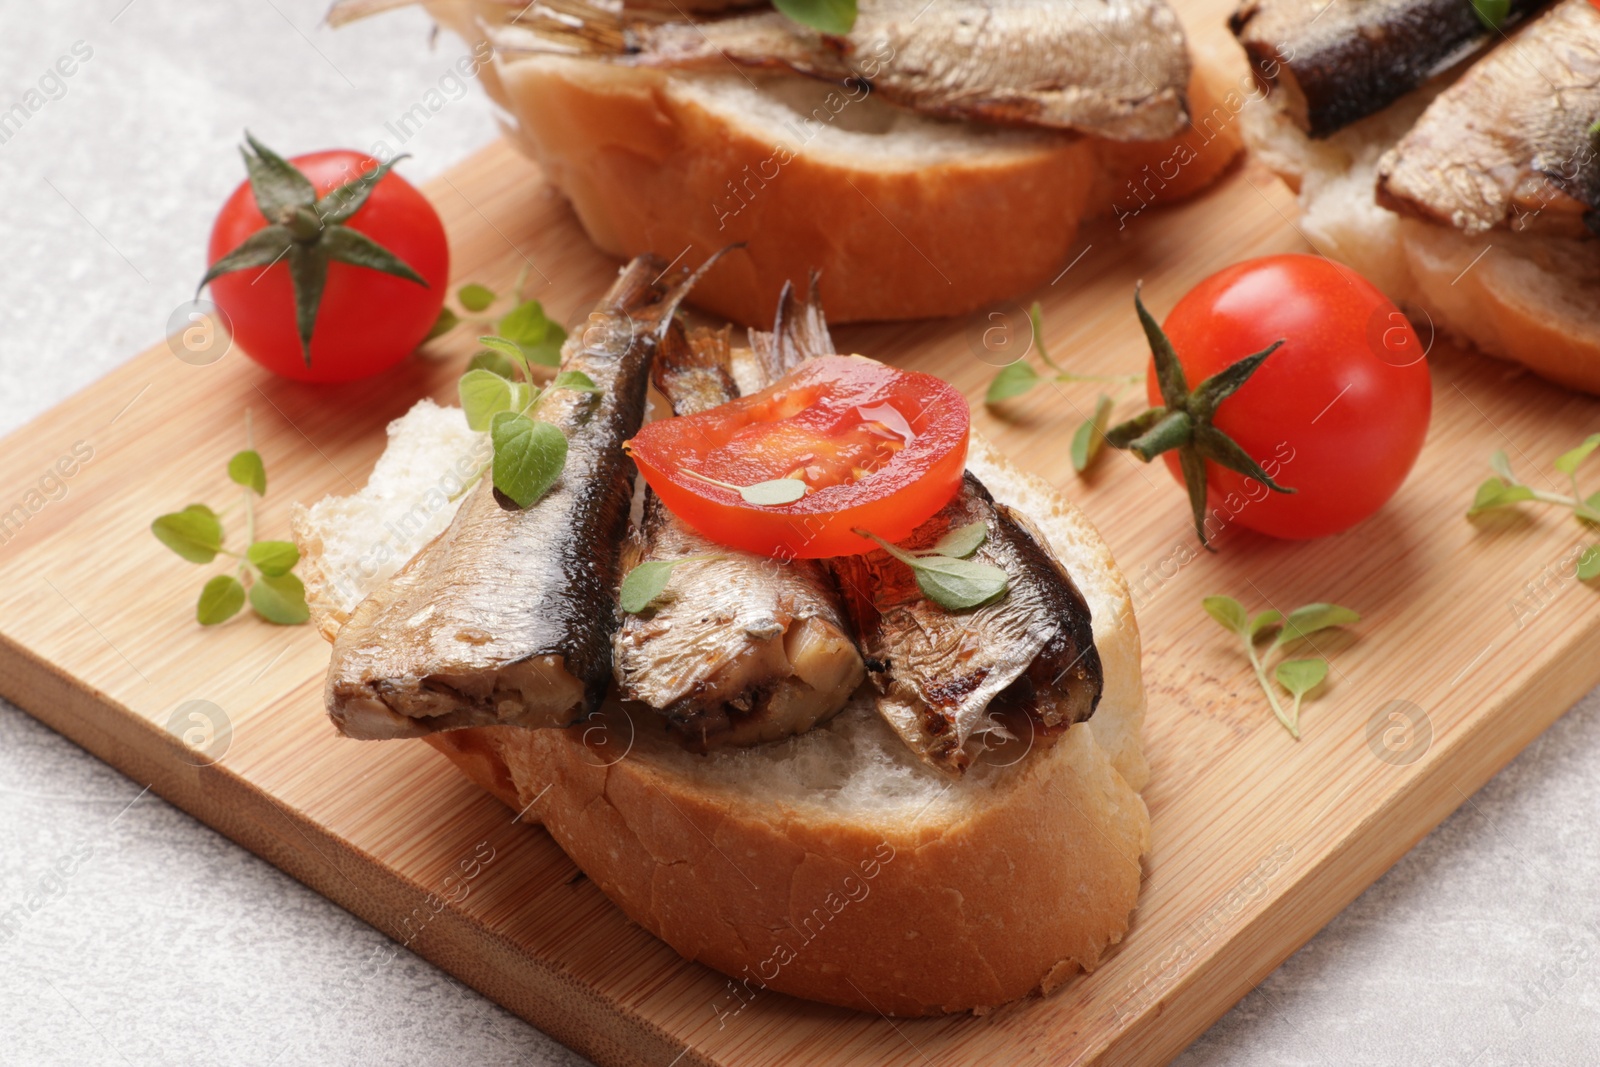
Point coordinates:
[(834, 866), (905, 216), (1524, 297)]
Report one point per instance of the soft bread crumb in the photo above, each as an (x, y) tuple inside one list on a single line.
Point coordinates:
[(352, 544)]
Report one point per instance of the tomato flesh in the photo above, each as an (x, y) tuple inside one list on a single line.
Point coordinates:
[(1339, 413), (879, 449), (368, 320)]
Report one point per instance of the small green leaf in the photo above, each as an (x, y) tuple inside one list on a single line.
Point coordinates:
[(1228, 612), (220, 600), (1495, 493), (485, 394), (958, 584), (475, 297), (1091, 434), (773, 492), (493, 362), (1492, 13), (280, 600), (528, 457), (1500, 463), (962, 541), (447, 321), (246, 469), (527, 326), (1310, 618), (1300, 676), (273, 558), (508, 350), (1568, 462), (1013, 380), (195, 533), (645, 584), (575, 380), (1264, 622), (1589, 564), (833, 17)]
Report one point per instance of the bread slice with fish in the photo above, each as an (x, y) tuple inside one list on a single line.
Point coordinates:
[(837, 862), (1469, 189), (925, 166)]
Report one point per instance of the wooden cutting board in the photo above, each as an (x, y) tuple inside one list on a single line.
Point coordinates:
[(1473, 630)]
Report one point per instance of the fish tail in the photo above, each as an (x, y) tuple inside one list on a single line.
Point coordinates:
[(799, 332)]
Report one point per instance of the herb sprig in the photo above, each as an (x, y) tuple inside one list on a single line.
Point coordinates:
[(944, 573), (264, 573), (529, 453), (1020, 377), (832, 17), (645, 584), (523, 323), (1298, 676), (767, 494), (1506, 490)]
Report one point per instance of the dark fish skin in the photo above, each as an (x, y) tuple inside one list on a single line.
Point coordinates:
[(1508, 144), (507, 617), (745, 649), (1328, 63), (940, 674), (1118, 69)]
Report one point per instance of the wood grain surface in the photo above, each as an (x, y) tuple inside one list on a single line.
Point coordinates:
[(1258, 840)]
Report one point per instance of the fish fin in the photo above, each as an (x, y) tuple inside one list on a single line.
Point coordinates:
[(799, 332), (692, 369)]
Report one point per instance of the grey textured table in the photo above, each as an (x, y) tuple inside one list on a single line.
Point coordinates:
[(165, 943)]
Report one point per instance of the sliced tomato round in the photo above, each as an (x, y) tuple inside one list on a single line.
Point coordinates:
[(876, 448)]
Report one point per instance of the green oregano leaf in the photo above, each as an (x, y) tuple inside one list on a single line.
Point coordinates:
[(493, 362), (1228, 612), (273, 558), (644, 585), (280, 600), (961, 542), (447, 321), (832, 17), (1589, 564), (1304, 621), (953, 584), (246, 469), (529, 456), (1568, 462), (1013, 380), (195, 533), (475, 297), (1300, 676), (773, 492), (575, 380), (220, 600), (485, 394), (1091, 434)]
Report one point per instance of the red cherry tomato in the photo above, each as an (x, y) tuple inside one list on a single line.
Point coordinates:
[(368, 320), (1338, 413), (879, 449)]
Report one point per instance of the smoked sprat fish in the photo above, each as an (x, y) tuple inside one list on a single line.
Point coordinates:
[(940, 675), (1509, 144), (1331, 62), (507, 617), (742, 649), (1115, 68)]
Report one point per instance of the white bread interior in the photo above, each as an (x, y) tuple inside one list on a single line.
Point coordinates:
[(1528, 298), (904, 215), (833, 866)]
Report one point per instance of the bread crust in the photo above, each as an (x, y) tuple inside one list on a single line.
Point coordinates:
[(1522, 297), (995, 889), (656, 160)]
